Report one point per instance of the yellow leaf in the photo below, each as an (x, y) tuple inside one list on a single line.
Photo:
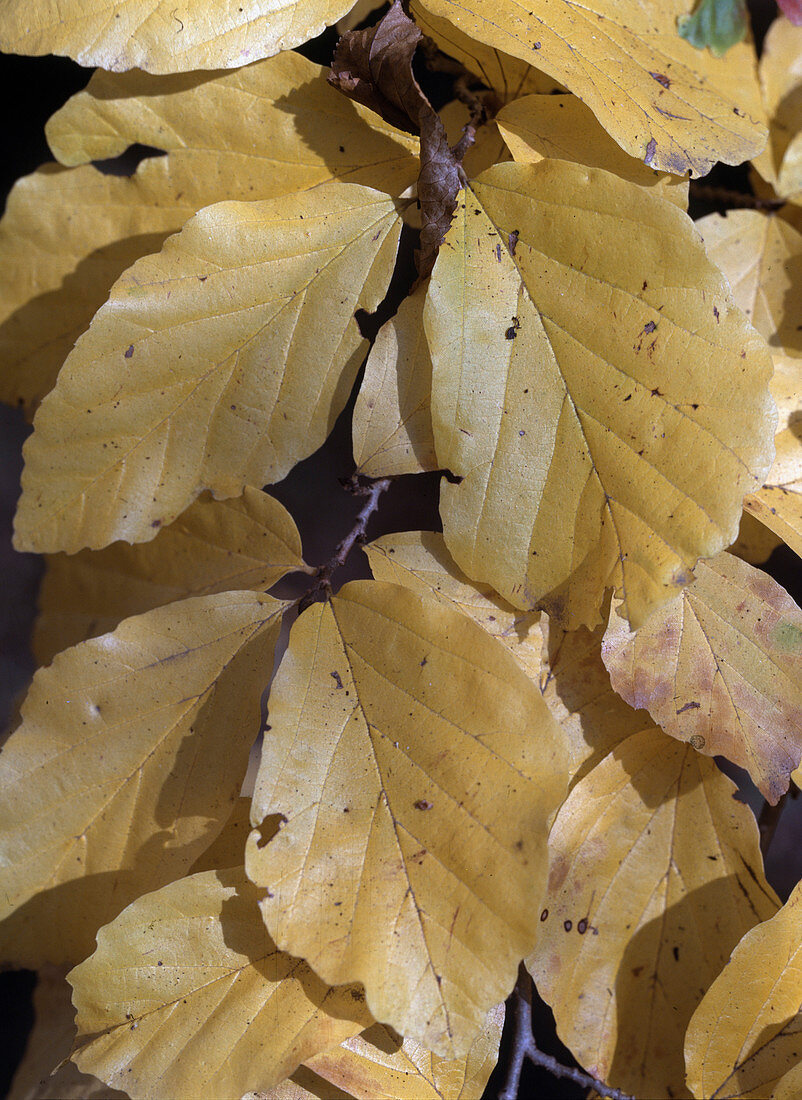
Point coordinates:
[(186, 996), (228, 849), (218, 363), (562, 126), (761, 255), (584, 353), (392, 423), (416, 767), (755, 543), (577, 690), (567, 667), (790, 1085), (49, 1043), (720, 667), (419, 560), (248, 542), (655, 876), (667, 104), (147, 34), (376, 1065), (780, 163), (271, 129), (779, 503), (508, 76), (130, 755), (276, 126), (746, 1032), (65, 237)]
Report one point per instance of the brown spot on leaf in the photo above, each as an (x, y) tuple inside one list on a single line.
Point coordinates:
[(661, 78), (688, 706), (336, 677), (697, 742), (129, 351), (423, 804), (651, 149), (544, 915)]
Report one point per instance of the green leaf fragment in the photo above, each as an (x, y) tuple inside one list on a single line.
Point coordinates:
[(719, 24)]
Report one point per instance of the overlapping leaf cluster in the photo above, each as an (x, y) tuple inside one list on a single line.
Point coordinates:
[(458, 771)]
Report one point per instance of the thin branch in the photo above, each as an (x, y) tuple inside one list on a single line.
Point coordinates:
[(727, 197), (768, 821), (524, 1046), (323, 575)]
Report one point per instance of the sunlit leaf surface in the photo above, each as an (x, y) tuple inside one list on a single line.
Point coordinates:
[(130, 754), (416, 768)]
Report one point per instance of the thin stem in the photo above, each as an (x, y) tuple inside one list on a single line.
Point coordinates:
[(522, 1033), (524, 1046), (728, 197), (323, 575)]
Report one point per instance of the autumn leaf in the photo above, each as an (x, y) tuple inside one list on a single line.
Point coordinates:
[(374, 67), (747, 1032), (755, 542), (780, 163), (143, 34), (216, 364), (655, 875), (790, 1084), (377, 1065), (249, 542), (591, 453), (665, 103), (508, 76), (576, 688), (419, 560), (228, 847), (567, 667), (49, 1044), (715, 24), (761, 255), (416, 768), (392, 423), (118, 778), (183, 969), (67, 236), (721, 668), (562, 126)]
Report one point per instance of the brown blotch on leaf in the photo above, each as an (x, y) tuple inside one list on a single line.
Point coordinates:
[(374, 67), (661, 78), (689, 706), (568, 925), (336, 678), (129, 351), (423, 804)]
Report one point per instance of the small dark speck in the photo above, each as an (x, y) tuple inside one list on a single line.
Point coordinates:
[(129, 351), (628, 397), (423, 804), (650, 326), (568, 925), (544, 915), (715, 314), (582, 927), (645, 284), (714, 858), (156, 523), (695, 406), (336, 677), (535, 45), (346, 809), (424, 662), (342, 148), (202, 278), (675, 953)]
